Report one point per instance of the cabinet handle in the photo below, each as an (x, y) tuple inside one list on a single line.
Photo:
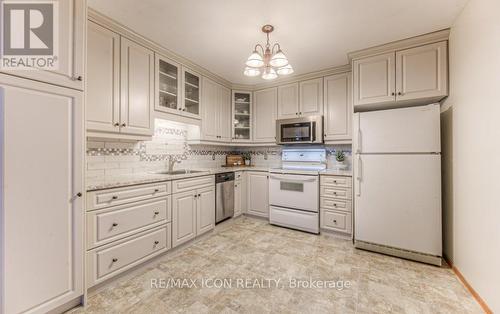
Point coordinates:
[(114, 197), (114, 260), (123, 125), (114, 224), (116, 124)]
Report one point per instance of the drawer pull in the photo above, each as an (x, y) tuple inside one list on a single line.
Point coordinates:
[(334, 193), (157, 242), (156, 190), (114, 224), (334, 181), (199, 195), (114, 260), (334, 204), (335, 221), (157, 213), (114, 197)]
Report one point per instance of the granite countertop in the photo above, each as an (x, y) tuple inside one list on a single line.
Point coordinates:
[(151, 177)]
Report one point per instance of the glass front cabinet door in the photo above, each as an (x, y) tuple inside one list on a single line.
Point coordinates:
[(167, 86), (242, 116), (191, 93)]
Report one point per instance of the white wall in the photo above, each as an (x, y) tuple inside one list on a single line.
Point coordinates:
[(474, 140)]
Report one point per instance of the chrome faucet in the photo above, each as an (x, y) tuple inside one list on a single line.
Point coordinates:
[(171, 163)]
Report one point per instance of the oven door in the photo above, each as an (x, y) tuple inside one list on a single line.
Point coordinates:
[(294, 191), (299, 132)]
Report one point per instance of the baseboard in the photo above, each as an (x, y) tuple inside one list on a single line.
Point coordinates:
[(473, 292)]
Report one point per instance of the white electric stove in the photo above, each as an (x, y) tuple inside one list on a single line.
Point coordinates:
[(294, 189)]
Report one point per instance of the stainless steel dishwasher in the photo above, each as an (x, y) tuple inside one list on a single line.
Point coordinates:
[(224, 200)]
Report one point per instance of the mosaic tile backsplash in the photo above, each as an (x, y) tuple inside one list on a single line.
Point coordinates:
[(114, 158)]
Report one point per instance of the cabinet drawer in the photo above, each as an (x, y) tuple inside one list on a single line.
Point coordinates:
[(192, 183), (340, 193), (336, 181), (114, 223), (111, 197), (336, 221), (104, 263), (330, 203)]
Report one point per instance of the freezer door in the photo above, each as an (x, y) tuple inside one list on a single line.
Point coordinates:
[(407, 130), (398, 201)]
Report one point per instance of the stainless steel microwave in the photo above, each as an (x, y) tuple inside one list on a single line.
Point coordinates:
[(304, 130)]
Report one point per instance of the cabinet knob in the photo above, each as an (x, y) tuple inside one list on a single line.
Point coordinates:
[(300, 112), (77, 78), (114, 260), (157, 213), (79, 194), (199, 195), (157, 242), (335, 221), (114, 197), (156, 190), (116, 124), (114, 224), (400, 94), (392, 94), (123, 125)]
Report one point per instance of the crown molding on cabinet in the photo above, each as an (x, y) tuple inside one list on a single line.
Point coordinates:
[(295, 78), (420, 40), (123, 30)]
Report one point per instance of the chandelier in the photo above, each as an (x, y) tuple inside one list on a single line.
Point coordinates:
[(271, 61)]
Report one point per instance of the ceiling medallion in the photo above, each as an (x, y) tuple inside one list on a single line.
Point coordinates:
[(270, 62)]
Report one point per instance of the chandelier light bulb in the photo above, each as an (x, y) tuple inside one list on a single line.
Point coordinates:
[(285, 70), (255, 60), (269, 74), (249, 71), (279, 59)]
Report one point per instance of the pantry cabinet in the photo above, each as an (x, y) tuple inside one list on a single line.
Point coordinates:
[(258, 193), (338, 107), (120, 90), (288, 101), (265, 112), (70, 49), (412, 76), (41, 212), (216, 112)]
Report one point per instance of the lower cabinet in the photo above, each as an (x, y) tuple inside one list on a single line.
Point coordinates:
[(109, 260), (193, 214), (258, 194)]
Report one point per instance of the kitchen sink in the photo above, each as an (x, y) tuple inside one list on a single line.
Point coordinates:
[(180, 171)]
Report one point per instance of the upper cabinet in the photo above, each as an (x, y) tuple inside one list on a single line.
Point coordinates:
[(265, 113), (405, 77), (120, 86), (137, 88), (242, 116), (178, 89), (300, 99), (422, 72), (103, 83), (216, 112), (311, 97), (338, 107), (70, 47), (168, 85), (288, 101)]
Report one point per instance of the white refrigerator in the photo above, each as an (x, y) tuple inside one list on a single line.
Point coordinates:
[(397, 172)]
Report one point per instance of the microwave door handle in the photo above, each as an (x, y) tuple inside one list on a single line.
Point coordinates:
[(313, 131)]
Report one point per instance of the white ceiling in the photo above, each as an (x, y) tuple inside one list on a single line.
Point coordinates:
[(314, 34)]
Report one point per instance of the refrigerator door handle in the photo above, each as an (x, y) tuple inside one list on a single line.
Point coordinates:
[(359, 176), (358, 146)]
